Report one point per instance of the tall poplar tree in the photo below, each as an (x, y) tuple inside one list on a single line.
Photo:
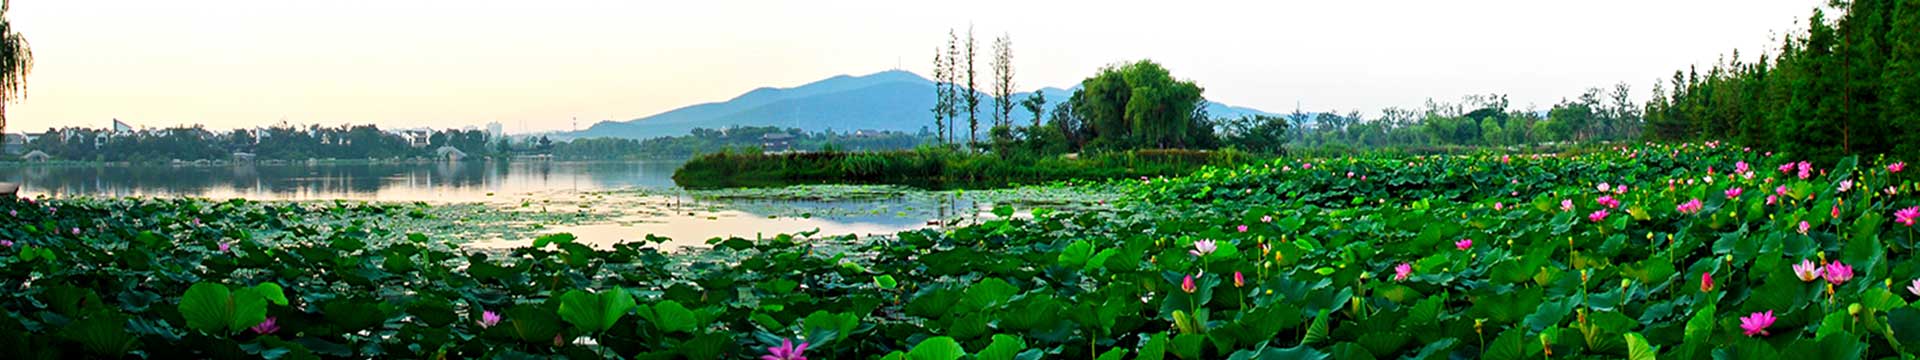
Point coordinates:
[(1003, 80), (973, 92)]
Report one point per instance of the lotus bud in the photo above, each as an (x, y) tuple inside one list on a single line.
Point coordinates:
[(1546, 346)]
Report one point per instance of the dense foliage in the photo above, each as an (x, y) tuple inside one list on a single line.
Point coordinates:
[(765, 138), (1681, 251), (932, 167), (1848, 85)]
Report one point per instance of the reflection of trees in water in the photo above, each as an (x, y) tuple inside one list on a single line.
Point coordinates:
[(338, 181), (117, 180), (650, 174)]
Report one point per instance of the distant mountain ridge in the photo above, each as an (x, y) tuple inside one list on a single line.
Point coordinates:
[(893, 100)]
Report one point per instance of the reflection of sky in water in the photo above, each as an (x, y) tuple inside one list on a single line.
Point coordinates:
[(564, 183), (437, 182), (759, 219)]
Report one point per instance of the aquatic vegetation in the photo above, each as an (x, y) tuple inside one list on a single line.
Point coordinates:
[(1328, 267)]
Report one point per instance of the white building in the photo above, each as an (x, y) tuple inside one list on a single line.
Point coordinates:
[(495, 130)]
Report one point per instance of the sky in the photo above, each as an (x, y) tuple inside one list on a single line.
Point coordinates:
[(538, 65)]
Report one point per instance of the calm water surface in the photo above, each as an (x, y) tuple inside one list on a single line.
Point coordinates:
[(643, 195)]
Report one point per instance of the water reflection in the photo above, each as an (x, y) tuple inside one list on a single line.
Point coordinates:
[(434, 182)]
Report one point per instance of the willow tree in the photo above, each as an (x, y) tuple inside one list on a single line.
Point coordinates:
[(15, 61)]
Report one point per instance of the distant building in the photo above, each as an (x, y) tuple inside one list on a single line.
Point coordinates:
[(14, 144), (36, 156), (416, 138), (776, 142), (495, 130), (121, 128), (449, 153)]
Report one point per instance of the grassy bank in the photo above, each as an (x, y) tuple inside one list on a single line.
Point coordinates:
[(939, 168)]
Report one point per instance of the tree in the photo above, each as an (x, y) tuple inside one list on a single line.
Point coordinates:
[(939, 91), (1255, 133), (16, 60), (953, 86), (973, 93), (1140, 104), (1036, 104), (1003, 80)]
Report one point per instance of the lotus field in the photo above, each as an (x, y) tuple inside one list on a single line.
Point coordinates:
[(1676, 251)]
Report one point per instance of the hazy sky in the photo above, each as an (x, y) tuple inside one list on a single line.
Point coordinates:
[(533, 65)]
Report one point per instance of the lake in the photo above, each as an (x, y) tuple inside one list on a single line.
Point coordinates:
[(629, 199)]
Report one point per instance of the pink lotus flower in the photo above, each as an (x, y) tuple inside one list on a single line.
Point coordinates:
[(1188, 286), (1608, 201), (1772, 199), (1497, 206), (1463, 244), (1914, 287), (224, 246), (1786, 168), (1239, 280), (1604, 187), (1836, 211), (1620, 190), (1740, 167), (786, 351), (1400, 272), (1896, 167), (1692, 206), (1782, 190), (1597, 216), (1906, 216), (1243, 228), (1203, 247), (266, 327), (489, 319), (1757, 323), (76, 231), (1804, 226), (1838, 273), (1566, 205), (1734, 193), (1846, 185), (1706, 282), (1266, 218), (1807, 271), (1806, 170), (6, 243)]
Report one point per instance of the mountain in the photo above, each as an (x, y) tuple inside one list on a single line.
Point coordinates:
[(888, 100)]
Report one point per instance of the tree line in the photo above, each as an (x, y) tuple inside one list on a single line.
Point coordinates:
[(284, 142), (1847, 85), (744, 138)]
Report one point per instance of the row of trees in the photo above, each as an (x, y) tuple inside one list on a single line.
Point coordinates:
[(703, 141), (1476, 120), (279, 142), (955, 64), (1846, 85)]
